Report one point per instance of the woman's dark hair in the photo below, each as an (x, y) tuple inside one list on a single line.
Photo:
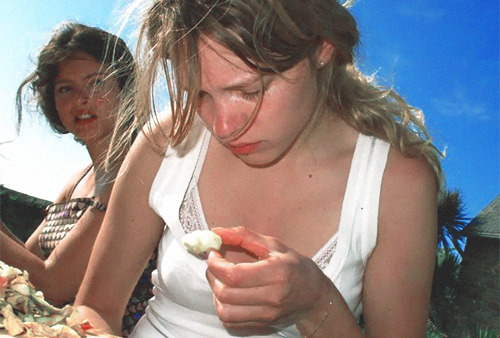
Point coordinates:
[(67, 39)]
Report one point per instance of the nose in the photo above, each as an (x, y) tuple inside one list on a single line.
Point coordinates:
[(83, 95), (228, 119)]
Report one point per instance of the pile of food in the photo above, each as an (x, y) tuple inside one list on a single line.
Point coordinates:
[(25, 313)]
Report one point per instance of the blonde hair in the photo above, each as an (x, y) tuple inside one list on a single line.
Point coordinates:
[(271, 36)]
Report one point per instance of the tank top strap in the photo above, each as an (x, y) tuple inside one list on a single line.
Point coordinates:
[(87, 170), (174, 175), (359, 216)]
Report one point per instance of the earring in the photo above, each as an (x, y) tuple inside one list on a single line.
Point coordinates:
[(321, 64)]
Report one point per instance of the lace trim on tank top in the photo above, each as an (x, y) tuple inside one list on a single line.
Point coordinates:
[(191, 214), (192, 218)]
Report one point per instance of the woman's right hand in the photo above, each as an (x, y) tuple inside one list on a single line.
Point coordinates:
[(281, 287)]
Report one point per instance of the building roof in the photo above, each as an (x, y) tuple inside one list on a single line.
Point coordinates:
[(487, 222)]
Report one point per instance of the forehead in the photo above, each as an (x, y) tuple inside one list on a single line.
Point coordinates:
[(78, 63), (220, 66)]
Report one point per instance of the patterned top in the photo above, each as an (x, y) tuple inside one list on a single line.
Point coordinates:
[(61, 219), (137, 303)]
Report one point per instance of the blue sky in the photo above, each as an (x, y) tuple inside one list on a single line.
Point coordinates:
[(443, 57)]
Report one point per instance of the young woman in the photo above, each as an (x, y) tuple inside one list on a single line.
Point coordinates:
[(83, 76), (322, 185)]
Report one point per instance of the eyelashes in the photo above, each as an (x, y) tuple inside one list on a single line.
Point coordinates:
[(252, 95), (94, 86), (246, 95)]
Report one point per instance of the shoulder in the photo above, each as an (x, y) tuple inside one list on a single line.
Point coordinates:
[(152, 138), (408, 197), (155, 133), (146, 154), (405, 174), (411, 170)]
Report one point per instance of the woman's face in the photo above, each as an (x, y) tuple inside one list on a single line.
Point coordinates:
[(229, 92), (86, 97)]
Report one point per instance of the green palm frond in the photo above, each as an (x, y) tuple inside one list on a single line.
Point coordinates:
[(452, 220)]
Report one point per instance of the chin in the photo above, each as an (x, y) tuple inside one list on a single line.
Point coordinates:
[(260, 160)]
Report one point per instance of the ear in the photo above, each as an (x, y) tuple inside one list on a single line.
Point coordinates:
[(325, 53)]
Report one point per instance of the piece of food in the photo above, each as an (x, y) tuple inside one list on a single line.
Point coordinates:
[(200, 241), (25, 313)]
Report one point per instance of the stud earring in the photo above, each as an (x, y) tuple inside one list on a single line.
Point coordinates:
[(321, 64)]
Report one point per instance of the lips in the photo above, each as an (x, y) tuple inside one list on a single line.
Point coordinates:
[(243, 148), (84, 116)]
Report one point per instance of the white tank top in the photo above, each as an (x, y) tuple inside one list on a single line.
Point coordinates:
[(183, 307)]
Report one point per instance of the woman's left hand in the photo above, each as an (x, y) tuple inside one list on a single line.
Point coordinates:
[(281, 287)]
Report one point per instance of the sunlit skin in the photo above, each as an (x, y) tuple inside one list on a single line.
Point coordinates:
[(230, 92), (285, 142), (275, 195), (86, 97)]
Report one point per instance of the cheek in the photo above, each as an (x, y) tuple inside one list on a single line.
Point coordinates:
[(303, 98), (203, 108), (62, 106), (292, 107), (103, 105), (285, 102), (107, 104)]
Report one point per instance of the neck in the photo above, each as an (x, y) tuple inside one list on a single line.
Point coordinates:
[(101, 180), (102, 175), (324, 133), (97, 150)]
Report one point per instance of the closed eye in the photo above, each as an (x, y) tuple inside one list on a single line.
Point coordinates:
[(251, 96), (201, 94)]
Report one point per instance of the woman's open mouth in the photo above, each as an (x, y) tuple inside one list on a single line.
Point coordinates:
[(84, 117)]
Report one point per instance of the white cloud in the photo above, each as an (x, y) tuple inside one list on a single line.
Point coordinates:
[(420, 10), (460, 105)]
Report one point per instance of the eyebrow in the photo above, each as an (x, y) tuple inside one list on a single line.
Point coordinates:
[(243, 83), (87, 77)]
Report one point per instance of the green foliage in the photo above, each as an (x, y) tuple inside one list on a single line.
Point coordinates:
[(432, 331), (443, 309), (483, 332), (20, 212), (451, 223), (444, 288)]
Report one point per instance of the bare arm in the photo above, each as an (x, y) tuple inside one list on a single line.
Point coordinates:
[(59, 276), (130, 232), (6, 231), (398, 277)]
